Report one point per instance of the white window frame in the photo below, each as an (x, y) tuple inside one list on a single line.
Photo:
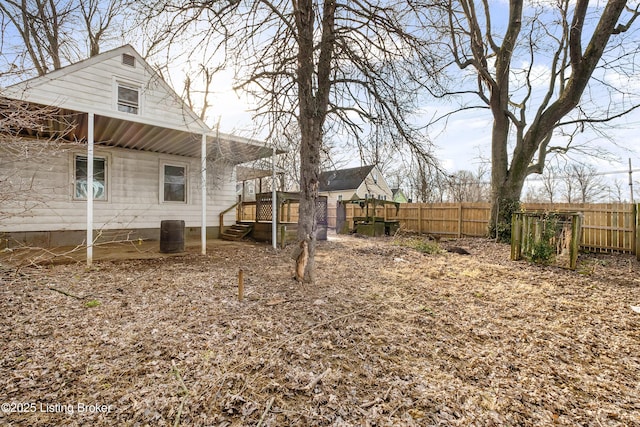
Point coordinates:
[(107, 176), (127, 84), (185, 166)]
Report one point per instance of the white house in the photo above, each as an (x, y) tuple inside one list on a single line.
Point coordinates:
[(149, 155), (359, 183)]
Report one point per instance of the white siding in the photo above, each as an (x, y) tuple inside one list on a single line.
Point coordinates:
[(133, 187), (90, 86), (46, 188), (376, 187)]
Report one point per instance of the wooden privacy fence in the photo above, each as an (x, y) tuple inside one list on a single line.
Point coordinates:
[(611, 227), (444, 219), (606, 227)]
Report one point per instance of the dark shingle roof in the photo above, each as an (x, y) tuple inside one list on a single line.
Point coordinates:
[(344, 179)]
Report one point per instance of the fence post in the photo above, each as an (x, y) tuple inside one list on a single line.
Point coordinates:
[(517, 219), (419, 218), (460, 220)]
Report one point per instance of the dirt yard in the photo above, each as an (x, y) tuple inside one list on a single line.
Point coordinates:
[(387, 336)]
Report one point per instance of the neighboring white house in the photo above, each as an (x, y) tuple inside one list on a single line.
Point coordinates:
[(148, 149), (359, 183)]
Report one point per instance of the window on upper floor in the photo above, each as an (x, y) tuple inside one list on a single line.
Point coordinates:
[(128, 99)]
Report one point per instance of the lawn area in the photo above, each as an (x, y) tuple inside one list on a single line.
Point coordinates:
[(387, 336)]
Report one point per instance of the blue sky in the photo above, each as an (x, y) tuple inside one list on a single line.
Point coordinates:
[(463, 144)]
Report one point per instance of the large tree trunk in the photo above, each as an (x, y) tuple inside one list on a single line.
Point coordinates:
[(507, 179), (504, 185), (312, 114), (505, 200), (499, 172), (309, 164), (307, 224)]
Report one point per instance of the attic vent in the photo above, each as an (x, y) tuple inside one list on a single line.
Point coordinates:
[(129, 60)]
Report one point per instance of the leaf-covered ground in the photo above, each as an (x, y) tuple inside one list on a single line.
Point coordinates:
[(387, 336)]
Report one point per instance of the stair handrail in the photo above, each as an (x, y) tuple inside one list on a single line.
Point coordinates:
[(221, 216)]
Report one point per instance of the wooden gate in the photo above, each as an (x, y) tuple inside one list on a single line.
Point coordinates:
[(547, 237)]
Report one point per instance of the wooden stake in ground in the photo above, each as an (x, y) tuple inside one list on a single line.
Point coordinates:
[(240, 285)]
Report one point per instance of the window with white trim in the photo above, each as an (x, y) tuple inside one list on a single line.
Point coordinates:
[(99, 178), (174, 183), (128, 99)]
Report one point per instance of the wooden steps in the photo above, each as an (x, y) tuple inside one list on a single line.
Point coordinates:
[(236, 232)]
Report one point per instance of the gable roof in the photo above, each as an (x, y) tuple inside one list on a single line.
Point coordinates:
[(167, 125), (89, 85), (344, 179)]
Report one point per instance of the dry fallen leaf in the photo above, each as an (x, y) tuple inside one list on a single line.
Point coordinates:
[(436, 339)]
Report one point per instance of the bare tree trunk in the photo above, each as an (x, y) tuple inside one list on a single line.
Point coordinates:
[(312, 114), (506, 180)]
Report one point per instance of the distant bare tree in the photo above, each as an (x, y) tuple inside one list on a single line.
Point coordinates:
[(568, 189), (550, 183), (376, 150), (588, 183), (427, 182), (40, 24), (466, 186), (98, 17), (617, 191), (52, 33), (197, 88)]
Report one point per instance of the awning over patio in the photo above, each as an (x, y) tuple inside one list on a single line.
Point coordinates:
[(116, 132), (136, 134)]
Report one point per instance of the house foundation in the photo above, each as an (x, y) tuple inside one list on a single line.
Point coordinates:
[(53, 239)]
